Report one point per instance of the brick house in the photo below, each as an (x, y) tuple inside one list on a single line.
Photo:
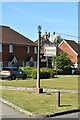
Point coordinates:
[(72, 48), (16, 49)]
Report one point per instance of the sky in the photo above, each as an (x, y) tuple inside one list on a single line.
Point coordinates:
[(24, 17)]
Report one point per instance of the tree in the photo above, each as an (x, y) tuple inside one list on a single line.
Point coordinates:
[(63, 61)]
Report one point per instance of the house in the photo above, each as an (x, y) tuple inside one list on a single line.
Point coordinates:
[(16, 49), (72, 48)]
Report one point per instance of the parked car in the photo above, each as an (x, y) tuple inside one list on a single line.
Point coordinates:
[(13, 73)]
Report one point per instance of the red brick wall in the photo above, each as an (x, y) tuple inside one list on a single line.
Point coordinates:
[(19, 52), (5, 53), (64, 47)]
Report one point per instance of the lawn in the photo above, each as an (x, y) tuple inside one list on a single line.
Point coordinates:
[(62, 82), (41, 103)]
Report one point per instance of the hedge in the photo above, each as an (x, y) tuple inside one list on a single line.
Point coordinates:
[(44, 72)]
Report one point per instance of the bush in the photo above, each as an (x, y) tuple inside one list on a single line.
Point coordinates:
[(28, 70), (47, 73), (34, 73), (44, 73), (77, 71), (59, 72)]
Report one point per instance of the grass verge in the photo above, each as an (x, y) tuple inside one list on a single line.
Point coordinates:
[(62, 82), (41, 103)]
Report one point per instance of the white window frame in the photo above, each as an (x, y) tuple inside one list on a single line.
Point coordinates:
[(1, 65), (0, 48), (27, 49), (10, 48), (35, 50)]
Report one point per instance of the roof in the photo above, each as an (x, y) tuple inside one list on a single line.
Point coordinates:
[(45, 42), (74, 45), (10, 36)]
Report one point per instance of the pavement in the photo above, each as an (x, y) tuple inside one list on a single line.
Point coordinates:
[(8, 112), (44, 90), (24, 114)]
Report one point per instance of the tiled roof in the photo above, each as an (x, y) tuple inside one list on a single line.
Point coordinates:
[(74, 45), (10, 36)]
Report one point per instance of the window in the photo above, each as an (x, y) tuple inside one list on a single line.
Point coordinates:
[(1, 65), (1, 48), (10, 48), (35, 50), (27, 49)]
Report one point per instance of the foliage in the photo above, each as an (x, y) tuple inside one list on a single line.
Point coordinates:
[(47, 73), (28, 70), (63, 61), (77, 71), (44, 73), (34, 73)]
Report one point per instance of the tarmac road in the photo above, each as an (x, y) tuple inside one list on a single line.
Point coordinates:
[(8, 112), (71, 115)]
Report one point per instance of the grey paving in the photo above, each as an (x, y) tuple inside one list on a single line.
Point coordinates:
[(8, 112), (45, 90)]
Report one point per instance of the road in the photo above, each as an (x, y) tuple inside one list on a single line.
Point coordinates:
[(71, 115), (8, 112)]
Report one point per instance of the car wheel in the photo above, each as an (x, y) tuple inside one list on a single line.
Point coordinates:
[(24, 77), (13, 77)]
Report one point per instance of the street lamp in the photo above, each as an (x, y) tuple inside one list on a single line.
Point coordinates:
[(38, 89), (55, 43), (38, 60)]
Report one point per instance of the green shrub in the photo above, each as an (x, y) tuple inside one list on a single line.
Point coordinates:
[(44, 72), (47, 73), (59, 71), (77, 71), (28, 70), (34, 73)]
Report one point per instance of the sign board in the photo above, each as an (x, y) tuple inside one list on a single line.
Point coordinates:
[(49, 51)]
